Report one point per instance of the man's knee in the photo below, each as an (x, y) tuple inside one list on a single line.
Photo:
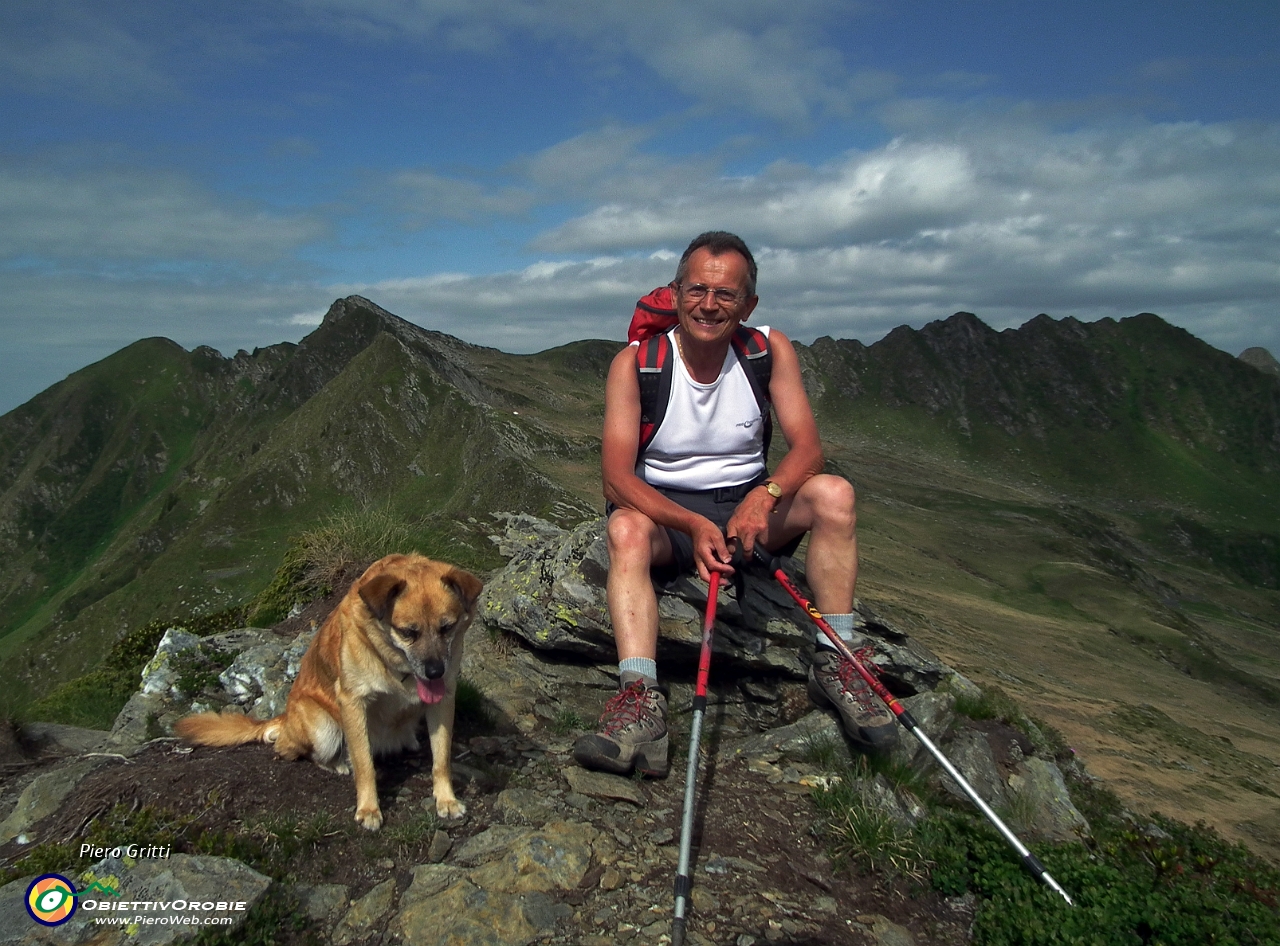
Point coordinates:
[(630, 535), (833, 500)]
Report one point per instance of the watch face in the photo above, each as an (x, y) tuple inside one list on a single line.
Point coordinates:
[(774, 489)]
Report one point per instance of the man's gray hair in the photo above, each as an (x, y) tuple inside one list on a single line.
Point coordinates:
[(719, 242)]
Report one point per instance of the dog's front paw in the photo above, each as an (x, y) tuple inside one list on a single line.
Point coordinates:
[(369, 818), (450, 809)]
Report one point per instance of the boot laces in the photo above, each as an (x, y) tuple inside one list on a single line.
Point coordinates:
[(625, 708), (853, 683)]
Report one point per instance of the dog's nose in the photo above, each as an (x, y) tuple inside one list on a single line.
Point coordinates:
[(434, 669)]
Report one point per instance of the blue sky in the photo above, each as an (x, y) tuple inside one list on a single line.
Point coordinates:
[(517, 173)]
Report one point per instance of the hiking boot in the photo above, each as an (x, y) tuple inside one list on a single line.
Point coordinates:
[(835, 682), (632, 733)]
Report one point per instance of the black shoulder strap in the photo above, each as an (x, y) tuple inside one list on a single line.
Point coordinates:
[(752, 348), (654, 365)]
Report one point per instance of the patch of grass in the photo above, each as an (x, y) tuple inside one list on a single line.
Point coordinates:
[(289, 834), (198, 668), (418, 827), (566, 721), (860, 834), (993, 704), (826, 750), (316, 559)]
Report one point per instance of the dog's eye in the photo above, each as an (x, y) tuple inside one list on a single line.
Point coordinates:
[(410, 633), (446, 627)]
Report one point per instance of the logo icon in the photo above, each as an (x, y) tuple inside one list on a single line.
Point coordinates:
[(51, 899)]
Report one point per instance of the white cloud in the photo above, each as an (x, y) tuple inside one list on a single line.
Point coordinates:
[(117, 215)]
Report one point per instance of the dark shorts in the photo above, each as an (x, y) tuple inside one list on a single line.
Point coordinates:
[(718, 506)]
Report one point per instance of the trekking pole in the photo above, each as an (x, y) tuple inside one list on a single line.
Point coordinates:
[(1029, 860), (683, 882)]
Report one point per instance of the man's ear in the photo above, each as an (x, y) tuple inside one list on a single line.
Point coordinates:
[(464, 584), (748, 307), (379, 594)]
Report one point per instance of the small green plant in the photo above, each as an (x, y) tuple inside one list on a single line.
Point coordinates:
[(316, 559), (198, 668), (417, 828), (825, 749), (566, 721), (860, 834)]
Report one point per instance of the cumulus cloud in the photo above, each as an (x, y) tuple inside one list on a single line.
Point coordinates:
[(420, 197), (1156, 216), (108, 216)]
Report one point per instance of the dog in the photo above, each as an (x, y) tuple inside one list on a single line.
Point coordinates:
[(390, 651)]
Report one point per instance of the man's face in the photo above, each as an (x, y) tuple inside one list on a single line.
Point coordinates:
[(708, 319)]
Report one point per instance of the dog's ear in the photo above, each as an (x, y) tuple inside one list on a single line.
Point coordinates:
[(464, 584), (379, 594)]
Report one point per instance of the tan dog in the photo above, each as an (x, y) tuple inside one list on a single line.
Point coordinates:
[(390, 649)]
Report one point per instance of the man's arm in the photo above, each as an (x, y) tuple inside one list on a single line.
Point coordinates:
[(804, 450), (624, 489)]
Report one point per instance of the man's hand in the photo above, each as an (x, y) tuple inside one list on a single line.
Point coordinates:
[(750, 519), (710, 552)]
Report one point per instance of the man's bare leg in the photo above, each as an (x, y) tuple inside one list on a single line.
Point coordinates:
[(636, 544), (632, 733), (824, 507)]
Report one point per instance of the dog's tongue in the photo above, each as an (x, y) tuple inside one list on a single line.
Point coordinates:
[(430, 691)]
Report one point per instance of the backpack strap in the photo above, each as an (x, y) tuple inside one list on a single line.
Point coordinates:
[(752, 348), (655, 365)]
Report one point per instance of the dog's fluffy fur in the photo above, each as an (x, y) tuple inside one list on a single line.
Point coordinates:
[(390, 650)]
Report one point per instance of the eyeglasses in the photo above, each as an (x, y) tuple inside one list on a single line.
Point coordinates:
[(697, 292)]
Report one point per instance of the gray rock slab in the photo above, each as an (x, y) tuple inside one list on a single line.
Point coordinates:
[(554, 857), (794, 741), (429, 880), (322, 903), (363, 916), (934, 712), (1039, 784), (466, 915), (488, 844), (44, 795), (970, 752), (603, 785), (65, 740), (525, 806)]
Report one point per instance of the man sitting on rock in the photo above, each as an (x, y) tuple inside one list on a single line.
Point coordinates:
[(703, 477)]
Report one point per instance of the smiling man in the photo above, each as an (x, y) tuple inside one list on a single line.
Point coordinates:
[(676, 494)]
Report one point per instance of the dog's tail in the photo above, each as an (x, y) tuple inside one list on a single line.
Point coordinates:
[(227, 729)]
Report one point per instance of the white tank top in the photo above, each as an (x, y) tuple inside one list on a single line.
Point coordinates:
[(712, 435)]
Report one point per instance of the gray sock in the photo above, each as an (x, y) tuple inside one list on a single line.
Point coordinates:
[(842, 624), (645, 668)]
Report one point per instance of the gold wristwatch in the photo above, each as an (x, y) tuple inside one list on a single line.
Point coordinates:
[(773, 490)]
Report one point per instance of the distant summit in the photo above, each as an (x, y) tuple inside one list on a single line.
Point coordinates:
[(1261, 359)]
